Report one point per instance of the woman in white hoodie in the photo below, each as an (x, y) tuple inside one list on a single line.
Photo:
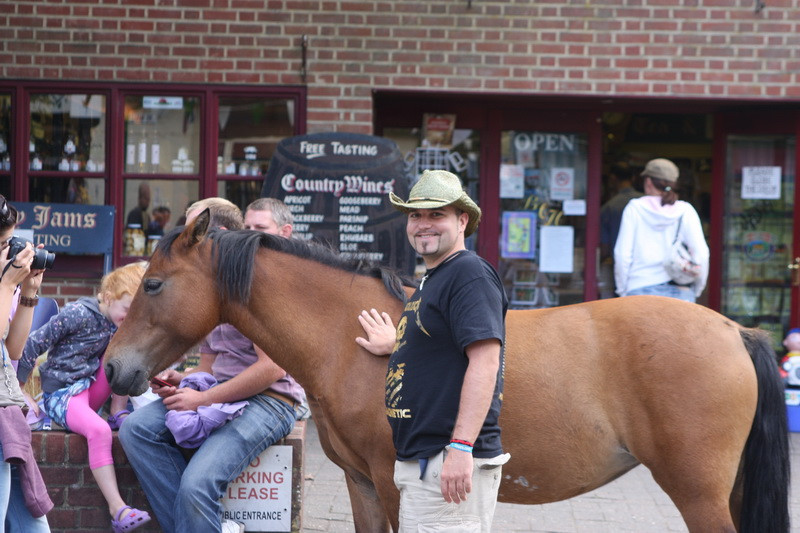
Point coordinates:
[(648, 228)]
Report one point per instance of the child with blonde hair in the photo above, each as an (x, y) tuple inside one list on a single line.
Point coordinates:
[(74, 384)]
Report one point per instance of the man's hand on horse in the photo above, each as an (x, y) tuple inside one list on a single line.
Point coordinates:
[(456, 476), (381, 333)]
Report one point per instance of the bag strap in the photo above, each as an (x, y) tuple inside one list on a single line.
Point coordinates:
[(677, 231), (7, 374)]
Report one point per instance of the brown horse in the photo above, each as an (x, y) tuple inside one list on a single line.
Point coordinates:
[(591, 390)]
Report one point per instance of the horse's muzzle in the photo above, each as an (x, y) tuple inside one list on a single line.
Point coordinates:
[(125, 380)]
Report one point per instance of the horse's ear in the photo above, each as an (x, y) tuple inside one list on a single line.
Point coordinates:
[(198, 227)]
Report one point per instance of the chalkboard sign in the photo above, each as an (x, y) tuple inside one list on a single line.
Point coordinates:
[(337, 186)]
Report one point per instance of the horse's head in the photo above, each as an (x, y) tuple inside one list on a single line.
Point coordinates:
[(176, 305)]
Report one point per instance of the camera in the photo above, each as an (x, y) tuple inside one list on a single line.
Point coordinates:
[(42, 259)]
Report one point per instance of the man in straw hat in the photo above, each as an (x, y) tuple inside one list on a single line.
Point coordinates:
[(445, 378)]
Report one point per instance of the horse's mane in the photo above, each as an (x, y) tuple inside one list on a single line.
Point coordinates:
[(235, 251)]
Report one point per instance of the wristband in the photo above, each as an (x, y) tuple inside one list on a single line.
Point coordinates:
[(464, 442), (28, 302), (461, 447)]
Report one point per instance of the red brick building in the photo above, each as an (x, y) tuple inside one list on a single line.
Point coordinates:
[(505, 93)]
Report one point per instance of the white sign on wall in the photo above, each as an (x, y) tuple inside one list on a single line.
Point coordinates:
[(761, 183), (261, 497)]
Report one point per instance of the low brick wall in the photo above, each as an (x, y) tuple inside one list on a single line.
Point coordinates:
[(79, 504)]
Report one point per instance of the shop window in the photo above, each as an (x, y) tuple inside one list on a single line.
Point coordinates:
[(151, 160), (67, 133), (75, 190), (759, 224), (153, 207), (249, 130), (457, 151), (162, 134), (543, 180)]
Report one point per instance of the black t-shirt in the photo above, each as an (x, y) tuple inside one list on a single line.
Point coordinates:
[(462, 301)]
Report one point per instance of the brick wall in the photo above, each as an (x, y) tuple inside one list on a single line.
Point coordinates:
[(79, 504), (697, 48), (65, 290)]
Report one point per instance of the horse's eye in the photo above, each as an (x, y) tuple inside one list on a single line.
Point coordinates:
[(153, 286)]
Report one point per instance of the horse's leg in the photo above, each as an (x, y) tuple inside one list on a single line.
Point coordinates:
[(737, 496), (700, 481), (696, 462), (368, 514)]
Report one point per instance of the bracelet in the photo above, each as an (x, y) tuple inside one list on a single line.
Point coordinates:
[(464, 442), (28, 302), (461, 447)]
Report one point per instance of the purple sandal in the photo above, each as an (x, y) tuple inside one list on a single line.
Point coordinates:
[(115, 421), (130, 521)]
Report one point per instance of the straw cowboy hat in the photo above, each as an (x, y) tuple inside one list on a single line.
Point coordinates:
[(438, 188)]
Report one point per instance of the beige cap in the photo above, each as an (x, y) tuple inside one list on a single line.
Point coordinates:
[(663, 169)]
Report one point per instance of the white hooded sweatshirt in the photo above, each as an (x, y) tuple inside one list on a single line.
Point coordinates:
[(645, 238)]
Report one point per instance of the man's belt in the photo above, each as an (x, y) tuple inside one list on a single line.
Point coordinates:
[(282, 397)]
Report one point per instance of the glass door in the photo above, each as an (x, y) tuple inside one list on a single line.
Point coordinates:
[(759, 265), (543, 191)]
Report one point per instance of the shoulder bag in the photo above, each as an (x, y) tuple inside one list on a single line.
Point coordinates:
[(679, 264)]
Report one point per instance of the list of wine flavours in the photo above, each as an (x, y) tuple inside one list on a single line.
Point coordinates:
[(354, 235)]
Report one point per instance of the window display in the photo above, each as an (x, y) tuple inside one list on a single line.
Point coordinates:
[(249, 130), (68, 132), (162, 135), (153, 207)]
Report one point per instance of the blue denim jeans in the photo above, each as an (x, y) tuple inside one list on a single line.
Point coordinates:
[(185, 494), (666, 289), (14, 516)]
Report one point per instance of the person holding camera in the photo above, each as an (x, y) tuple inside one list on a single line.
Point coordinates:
[(20, 510), (74, 384)]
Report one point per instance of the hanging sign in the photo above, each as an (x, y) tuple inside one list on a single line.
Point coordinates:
[(337, 186), (69, 228)]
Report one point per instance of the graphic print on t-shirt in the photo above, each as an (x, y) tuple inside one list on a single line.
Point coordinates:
[(394, 384)]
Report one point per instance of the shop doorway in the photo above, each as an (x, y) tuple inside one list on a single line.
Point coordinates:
[(630, 139)]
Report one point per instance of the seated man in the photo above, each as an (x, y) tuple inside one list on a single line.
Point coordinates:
[(185, 494)]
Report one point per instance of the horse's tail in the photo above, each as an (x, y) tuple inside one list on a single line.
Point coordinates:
[(765, 504)]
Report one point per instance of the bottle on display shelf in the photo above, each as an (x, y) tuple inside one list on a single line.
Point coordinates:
[(155, 151), (141, 151), (35, 160), (152, 243), (130, 148), (72, 162), (133, 241)]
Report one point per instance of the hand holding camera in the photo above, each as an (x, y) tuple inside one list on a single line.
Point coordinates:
[(42, 259), (24, 265)]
